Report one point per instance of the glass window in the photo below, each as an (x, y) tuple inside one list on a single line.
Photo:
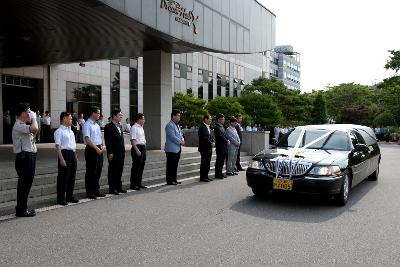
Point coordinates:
[(133, 91), (200, 92), (115, 86), (210, 91), (210, 63), (368, 135), (81, 97)]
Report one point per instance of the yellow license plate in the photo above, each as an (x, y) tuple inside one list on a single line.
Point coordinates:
[(282, 184)]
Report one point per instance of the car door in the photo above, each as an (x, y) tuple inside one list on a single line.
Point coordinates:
[(359, 160), (374, 152)]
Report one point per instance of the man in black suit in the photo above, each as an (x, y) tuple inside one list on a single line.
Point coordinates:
[(206, 142), (114, 139), (221, 144), (239, 130)]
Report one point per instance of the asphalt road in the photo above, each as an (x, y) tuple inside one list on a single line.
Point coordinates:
[(215, 224)]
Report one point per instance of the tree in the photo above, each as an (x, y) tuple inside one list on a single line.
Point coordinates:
[(385, 118), (318, 113), (344, 95), (357, 114), (394, 61), (229, 106), (261, 108), (389, 97), (193, 109)]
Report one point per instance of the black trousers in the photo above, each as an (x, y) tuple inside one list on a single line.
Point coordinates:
[(66, 176), (25, 165), (205, 163), (46, 129), (115, 169), (138, 165), (238, 158), (222, 153), (172, 166), (94, 166)]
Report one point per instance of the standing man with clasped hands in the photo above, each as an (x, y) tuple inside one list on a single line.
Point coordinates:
[(114, 138), (23, 137), (173, 142), (206, 143), (93, 154), (138, 152), (221, 144), (64, 139)]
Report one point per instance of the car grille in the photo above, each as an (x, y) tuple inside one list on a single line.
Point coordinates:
[(295, 168)]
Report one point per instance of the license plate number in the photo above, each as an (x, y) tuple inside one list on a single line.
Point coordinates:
[(282, 184)]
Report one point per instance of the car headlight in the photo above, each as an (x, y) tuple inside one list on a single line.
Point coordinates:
[(256, 164), (326, 171)]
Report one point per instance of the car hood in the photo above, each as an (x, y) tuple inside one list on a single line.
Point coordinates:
[(315, 156)]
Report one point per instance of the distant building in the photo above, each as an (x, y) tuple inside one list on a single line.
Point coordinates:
[(285, 66)]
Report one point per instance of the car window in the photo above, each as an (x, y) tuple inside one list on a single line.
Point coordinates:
[(368, 138), (356, 138), (335, 141)]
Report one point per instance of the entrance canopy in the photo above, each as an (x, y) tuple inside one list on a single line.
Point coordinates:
[(58, 31)]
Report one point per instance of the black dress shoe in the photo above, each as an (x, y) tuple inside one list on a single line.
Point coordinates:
[(142, 187), (205, 180), (135, 187), (235, 173), (113, 192), (62, 203), (91, 196), (224, 175), (27, 213), (240, 169), (121, 191), (72, 200), (210, 179), (98, 194), (177, 182), (230, 174), (219, 176), (170, 183)]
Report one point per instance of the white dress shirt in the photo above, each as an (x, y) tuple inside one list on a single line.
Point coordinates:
[(137, 134), (65, 138)]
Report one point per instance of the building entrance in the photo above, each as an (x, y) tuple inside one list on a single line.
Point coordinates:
[(16, 90)]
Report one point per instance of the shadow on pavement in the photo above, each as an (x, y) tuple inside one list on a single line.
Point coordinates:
[(300, 208)]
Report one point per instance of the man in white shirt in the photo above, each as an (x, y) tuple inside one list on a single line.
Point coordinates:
[(138, 152), (93, 154), (64, 139), (25, 161)]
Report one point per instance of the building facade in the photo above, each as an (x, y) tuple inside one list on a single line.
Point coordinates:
[(132, 54), (285, 66)]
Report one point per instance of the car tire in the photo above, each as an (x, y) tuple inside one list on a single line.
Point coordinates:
[(342, 197), (374, 175)]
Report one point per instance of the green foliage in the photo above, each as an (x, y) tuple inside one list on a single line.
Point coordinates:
[(394, 61), (385, 118), (229, 106), (318, 112), (193, 109), (357, 114), (344, 95), (389, 97), (261, 108)]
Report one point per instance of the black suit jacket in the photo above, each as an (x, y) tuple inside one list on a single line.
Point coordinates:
[(239, 132), (205, 138), (221, 140), (114, 140)]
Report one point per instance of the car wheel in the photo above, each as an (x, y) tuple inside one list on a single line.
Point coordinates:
[(374, 175), (341, 198)]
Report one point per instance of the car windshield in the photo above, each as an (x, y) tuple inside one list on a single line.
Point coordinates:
[(335, 141)]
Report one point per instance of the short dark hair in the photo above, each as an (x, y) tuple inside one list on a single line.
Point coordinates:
[(93, 109), (232, 119), (115, 112), (238, 115), (206, 117), (139, 116), (21, 107), (175, 112), (64, 114)]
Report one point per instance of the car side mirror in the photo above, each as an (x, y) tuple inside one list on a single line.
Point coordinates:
[(361, 148)]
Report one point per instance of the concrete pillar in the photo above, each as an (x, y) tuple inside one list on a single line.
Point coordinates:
[(124, 92), (157, 96), (1, 112)]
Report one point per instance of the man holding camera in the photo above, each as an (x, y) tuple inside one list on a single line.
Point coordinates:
[(23, 136)]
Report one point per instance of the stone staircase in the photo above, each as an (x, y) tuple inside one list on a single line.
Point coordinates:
[(43, 190)]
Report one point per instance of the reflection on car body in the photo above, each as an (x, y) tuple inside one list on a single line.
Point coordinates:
[(317, 159)]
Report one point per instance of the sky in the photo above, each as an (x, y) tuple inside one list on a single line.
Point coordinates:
[(339, 41)]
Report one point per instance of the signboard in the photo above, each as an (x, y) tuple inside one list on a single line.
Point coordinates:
[(182, 15)]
